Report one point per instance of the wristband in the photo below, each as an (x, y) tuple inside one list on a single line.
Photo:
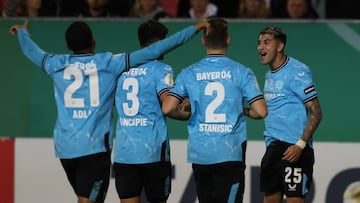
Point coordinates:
[(301, 143)]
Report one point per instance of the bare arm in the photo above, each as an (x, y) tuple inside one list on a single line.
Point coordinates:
[(257, 110), (172, 108), (314, 119), (293, 153)]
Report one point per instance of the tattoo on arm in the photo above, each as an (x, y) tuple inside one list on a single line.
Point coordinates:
[(314, 118)]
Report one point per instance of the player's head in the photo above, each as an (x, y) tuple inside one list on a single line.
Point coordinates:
[(271, 46), (278, 34), (216, 35), (150, 32), (79, 37)]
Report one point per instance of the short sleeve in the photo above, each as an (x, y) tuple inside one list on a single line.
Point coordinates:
[(179, 90), (165, 78), (251, 89), (302, 85)]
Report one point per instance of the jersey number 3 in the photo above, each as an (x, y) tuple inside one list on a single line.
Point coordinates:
[(132, 86)]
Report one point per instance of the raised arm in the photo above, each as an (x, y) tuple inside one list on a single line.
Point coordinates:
[(161, 47), (30, 49)]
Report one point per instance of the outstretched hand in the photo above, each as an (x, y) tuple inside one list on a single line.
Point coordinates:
[(13, 29), (202, 22)]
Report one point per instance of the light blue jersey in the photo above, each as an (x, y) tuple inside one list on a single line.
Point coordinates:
[(286, 91), (84, 87), (141, 135), (216, 87)]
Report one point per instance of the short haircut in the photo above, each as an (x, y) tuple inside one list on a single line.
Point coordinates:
[(151, 31), (78, 36), (277, 32), (216, 34)]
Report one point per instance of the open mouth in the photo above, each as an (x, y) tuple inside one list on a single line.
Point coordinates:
[(262, 54)]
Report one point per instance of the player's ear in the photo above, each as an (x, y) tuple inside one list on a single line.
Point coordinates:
[(280, 47), (203, 41), (228, 40)]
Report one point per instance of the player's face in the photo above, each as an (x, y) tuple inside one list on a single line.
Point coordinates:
[(267, 49)]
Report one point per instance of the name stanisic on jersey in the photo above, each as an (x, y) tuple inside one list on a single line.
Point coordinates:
[(213, 127)]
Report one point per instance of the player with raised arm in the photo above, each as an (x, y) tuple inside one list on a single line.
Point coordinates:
[(142, 148), (216, 87), (84, 88)]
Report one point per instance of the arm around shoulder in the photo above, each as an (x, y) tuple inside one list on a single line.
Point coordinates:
[(257, 109), (170, 108)]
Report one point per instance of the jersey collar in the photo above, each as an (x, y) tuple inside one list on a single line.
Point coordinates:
[(282, 65)]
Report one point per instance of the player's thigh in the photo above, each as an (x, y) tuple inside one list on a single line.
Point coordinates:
[(128, 180), (89, 175), (298, 175), (229, 182), (157, 181), (222, 182), (271, 172)]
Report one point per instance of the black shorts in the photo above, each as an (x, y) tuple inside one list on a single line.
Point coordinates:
[(220, 183), (89, 175), (291, 179), (155, 178)]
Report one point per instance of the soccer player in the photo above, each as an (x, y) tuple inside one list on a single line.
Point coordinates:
[(142, 150), (84, 85), (294, 114), (216, 87)]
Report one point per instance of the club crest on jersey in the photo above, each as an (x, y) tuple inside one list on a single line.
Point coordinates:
[(279, 84), (169, 79)]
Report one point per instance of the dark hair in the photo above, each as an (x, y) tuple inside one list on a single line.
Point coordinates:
[(150, 32), (277, 32), (216, 34), (78, 36)]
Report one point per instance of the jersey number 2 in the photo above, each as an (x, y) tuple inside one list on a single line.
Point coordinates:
[(210, 115)]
